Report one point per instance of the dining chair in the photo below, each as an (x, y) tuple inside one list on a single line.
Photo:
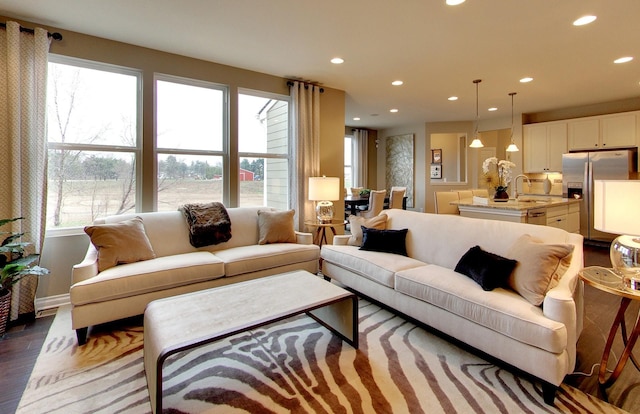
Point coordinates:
[(355, 191), (443, 200), (397, 196), (462, 194), (376, 203)]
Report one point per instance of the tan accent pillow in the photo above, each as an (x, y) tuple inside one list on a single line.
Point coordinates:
[(540, 267), (119, 243), (276, 226), (378, 222)]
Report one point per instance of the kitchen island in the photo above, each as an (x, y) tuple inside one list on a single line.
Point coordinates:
[(549, 211)]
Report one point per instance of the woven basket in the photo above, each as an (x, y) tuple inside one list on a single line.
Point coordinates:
[(5, 307)]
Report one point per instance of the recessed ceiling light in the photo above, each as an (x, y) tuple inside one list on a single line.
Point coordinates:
[(393, 111), (525, 80), (454, 2), (623, 59), (337, 60), (492, 109), (584, 20), (356, 119), (453, 98), (397, 83)]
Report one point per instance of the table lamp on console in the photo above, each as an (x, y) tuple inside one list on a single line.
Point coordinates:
[(324, 190), (616, 204)]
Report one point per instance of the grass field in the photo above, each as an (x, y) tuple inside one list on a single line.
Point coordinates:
[(84, 201)]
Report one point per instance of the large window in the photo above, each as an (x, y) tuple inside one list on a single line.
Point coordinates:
[(190, 141), (264, 150), (93, 140)]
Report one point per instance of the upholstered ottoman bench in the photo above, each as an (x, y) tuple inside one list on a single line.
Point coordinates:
[(187, 321)]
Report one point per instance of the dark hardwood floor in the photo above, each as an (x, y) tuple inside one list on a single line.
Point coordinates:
[(19, 349), (21, 345)]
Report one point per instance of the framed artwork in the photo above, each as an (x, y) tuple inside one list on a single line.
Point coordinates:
[(436, 170), (436, 156)]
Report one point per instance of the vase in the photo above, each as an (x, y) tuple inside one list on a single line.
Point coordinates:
[(5, 307), (546, 185), (501, 195)]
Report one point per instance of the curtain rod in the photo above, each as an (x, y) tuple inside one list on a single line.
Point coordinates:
[(306, 85), (54, 35)]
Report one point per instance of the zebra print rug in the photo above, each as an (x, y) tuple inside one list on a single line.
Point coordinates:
[(294, 366)]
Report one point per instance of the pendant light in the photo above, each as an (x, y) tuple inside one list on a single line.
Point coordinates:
[(512, 147), (476, 143)]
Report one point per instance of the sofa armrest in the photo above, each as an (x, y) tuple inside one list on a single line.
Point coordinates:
[(304, 238), (564, 303), (86, 269), (341, 239)]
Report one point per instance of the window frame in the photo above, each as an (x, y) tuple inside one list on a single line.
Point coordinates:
[(223, 153), (135, 150), (289, 156)]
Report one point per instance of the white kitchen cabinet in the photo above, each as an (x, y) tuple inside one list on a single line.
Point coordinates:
[(602, 132), (544, 144)]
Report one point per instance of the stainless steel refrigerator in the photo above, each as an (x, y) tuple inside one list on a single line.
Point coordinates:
[(581, 169)]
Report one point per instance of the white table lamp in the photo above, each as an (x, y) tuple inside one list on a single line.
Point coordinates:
[(324, 190), (616, 207)]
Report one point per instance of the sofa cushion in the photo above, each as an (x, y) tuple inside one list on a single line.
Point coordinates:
[(387, 241), (501, 310), (148, 276), (355, 225), (539, 267), (276, 226), (246, 259), (118, 243), (487, 269), (376, 266)]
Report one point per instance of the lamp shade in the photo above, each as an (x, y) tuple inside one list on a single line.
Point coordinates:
[(324, 188), (615, 210), (512, 148), (615, 206)]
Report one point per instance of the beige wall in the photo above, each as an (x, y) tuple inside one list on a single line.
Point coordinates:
[(60, 253)]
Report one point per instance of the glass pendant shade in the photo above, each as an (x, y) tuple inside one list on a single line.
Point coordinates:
[(476, 143), (512, 148)]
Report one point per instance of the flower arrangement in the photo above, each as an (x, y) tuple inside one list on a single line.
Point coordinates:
[(497, 174)]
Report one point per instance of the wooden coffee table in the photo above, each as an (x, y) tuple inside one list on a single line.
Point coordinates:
[(188, 321)]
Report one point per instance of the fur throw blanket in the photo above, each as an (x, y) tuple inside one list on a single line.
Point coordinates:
[(209, 223)]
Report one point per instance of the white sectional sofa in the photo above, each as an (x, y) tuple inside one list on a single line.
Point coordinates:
[(537, 339), (178, 267)]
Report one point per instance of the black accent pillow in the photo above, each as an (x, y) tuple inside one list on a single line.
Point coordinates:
[(487, 269), (388, 241)]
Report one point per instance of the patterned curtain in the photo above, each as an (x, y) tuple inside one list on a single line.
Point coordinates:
[(23, 160), (306, 142)]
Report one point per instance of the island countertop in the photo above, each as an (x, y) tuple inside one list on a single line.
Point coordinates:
[(522, 204)]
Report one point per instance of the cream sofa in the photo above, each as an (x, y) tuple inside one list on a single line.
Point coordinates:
[(125, 290), (539, 340)]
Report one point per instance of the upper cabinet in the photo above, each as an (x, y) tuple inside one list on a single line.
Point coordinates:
[(603, 132), (544, 144)]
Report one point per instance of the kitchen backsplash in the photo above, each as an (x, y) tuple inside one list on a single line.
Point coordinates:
[(537, 184)]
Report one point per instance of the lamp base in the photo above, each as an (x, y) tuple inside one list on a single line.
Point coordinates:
[(625, 259), (324, 211)]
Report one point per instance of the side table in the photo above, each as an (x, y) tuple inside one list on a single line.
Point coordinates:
[(608, 281), (321, 231)]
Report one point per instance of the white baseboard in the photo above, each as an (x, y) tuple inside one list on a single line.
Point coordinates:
[(52, 302)]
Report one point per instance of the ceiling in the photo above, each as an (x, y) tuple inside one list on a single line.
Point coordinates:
[(437, 50)]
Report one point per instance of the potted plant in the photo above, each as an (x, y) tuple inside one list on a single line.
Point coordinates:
[(14, 265)]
